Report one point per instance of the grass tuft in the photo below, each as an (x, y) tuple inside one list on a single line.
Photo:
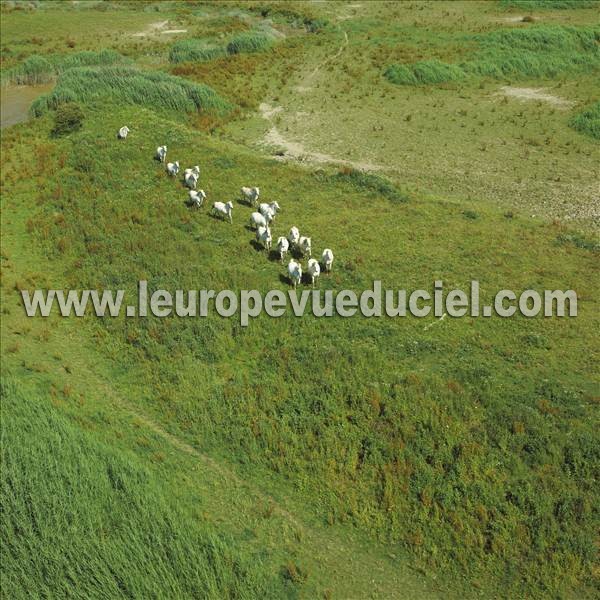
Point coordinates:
[(194, 50), (372, 183), (588, 121)]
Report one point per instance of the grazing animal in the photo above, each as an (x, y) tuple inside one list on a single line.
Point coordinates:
[(123, 132), (327, 259), (257, 220), (197, 198), (263, 236), (295, 272), (265, 208), (223, 209), (161, 153), (293, 237), (305, 246), (282, 247), (250, 194), (314, 270), (173, 168), (195, 171), (191, 179)]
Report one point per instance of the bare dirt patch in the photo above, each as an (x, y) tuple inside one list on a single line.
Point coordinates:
[(535, 94), (152, 29), (295, 150)]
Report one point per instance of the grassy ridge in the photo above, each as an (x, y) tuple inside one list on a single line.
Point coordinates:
[(95, 520), (588, 121), (538, 52), (131, 86), (38, 69), (423, 438)]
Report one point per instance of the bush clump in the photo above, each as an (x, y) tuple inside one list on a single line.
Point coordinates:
[(67, 119), (249, 42)]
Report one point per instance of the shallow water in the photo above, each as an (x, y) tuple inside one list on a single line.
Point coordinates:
[(15, 101)]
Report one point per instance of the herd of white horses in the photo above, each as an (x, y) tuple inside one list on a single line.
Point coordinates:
[(261, 220)]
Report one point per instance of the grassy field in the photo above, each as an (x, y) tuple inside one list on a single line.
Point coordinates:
[(331, 457)]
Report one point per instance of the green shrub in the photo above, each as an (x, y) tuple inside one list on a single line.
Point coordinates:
[(588, 121), (249, 42), (68, 118), (372, 183)]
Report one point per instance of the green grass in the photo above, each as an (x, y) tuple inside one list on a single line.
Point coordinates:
[(131, 86), (249, 42), (588, 121), (79, 515), (545, 51)]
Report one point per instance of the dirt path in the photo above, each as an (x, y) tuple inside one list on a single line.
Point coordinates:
[(305, 85), (295, 150)]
